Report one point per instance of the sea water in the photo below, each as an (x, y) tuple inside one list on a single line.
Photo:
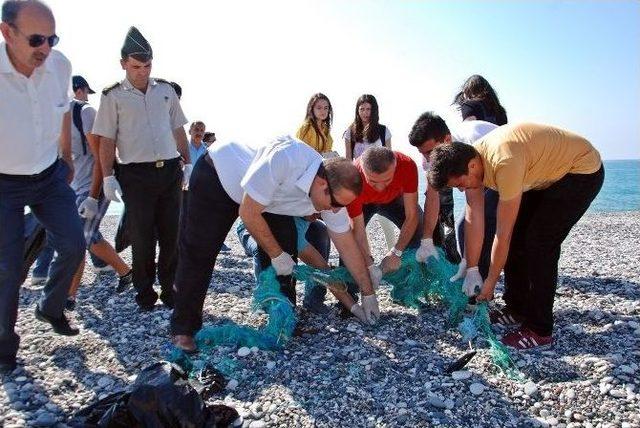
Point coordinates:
[(620, 191)]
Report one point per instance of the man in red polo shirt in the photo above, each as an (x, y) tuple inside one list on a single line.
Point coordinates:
[(390, 189)]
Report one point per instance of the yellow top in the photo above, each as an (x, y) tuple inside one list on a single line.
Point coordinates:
[(527, 156), (307, 133)]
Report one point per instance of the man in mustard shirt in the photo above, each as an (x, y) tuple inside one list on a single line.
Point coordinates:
[(546, 178)]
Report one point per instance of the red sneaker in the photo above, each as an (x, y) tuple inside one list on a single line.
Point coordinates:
[(523, 339), (504, 317)]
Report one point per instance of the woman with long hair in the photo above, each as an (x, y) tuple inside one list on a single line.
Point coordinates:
[(478, 100), (316, 128), (366, 130)]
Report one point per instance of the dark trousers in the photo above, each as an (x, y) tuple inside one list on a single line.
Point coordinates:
[(491, 198), (544, 220), (393, 211), (52, 202), (444, 234), (152, 197), (210, 215), (317, 236)]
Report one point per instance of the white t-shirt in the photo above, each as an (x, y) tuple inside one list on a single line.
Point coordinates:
[(278, 176), (467, 132), (82, 157), (359, 148)]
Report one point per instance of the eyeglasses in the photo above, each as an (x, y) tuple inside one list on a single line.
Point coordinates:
[(323, 173), (37, 40)]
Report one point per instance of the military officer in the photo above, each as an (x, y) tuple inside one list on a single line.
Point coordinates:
[(140, 123)]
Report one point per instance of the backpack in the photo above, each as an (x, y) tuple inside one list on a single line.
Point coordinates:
[(382, 132), (77, 121)]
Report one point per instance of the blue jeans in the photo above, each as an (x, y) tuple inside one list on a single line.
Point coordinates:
[(491, 198), (52, 202), (315, 234)]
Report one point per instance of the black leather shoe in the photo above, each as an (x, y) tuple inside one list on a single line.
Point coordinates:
[(6, 367), (60, 325), (167, 299), (124, 281)]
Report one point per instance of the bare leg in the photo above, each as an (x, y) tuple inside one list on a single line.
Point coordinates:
[(106, 252)]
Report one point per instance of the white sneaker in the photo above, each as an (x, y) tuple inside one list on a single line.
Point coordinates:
[(38, 281), (105, 269)]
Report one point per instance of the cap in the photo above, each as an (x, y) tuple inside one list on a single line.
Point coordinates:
[(79, 82), (136, 45)]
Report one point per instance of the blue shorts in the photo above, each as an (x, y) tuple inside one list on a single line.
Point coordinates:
[(91, 227)]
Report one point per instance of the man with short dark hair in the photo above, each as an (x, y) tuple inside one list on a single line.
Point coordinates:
[(390, 189), (429, 131), (35, 125), (267, 188), (546, 179), (141, 117)]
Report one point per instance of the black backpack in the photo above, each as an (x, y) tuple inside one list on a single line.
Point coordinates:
[(382, 132), (77, 121)]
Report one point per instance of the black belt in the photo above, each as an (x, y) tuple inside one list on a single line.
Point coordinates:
[(155, 164), (33, 177)]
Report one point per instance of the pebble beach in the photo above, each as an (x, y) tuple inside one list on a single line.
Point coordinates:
[(341, 373)]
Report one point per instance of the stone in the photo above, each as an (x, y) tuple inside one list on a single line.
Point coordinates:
[(271, 365), (476, 388), (437, 402), (45, 419), (570, 394), (105, 381), (627, 369), (530, 388), (461, 375), (244, 351), (618, 393), (257, 424), (232, 384)]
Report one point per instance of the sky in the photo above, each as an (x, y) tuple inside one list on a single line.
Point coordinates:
[(248, 68)]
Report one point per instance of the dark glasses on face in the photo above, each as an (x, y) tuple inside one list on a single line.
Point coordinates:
[(37, 40), (334, 203)]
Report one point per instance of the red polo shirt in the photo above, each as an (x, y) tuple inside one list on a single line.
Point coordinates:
[(405, 180)]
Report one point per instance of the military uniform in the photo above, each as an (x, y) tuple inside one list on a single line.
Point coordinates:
[(148, 171)]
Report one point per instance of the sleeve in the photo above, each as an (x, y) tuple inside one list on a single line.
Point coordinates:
[(301, 132), (265, 175), (88, 118), (355, 208), (347, 135), (176, 114), (106, 122), (510, 178), (387, 134), (65, 79), (410, 175), (337, 222)]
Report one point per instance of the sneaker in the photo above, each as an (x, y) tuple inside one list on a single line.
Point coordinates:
[(60, 325), (317, 307), (505, 317), (523, 339), (38, 281), (124, 281), (184, 342), (70, 304), (103, 269)]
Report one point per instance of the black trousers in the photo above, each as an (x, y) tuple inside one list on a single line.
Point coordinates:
[(152, 197), (444, 235), (544, 220), (210, 215)]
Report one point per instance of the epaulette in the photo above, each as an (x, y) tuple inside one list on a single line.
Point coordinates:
[(106, 90), (161, 80)]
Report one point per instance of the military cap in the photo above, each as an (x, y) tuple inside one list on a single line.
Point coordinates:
[(137, 46)]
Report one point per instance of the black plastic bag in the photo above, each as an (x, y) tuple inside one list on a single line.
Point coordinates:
[(122, 240)]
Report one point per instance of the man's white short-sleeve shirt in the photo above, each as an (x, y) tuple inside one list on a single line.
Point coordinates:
[(278, 176)]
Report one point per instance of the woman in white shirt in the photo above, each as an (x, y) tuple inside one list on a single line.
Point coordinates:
[(366, 132)]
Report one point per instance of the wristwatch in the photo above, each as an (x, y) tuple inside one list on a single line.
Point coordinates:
[(396, 252)]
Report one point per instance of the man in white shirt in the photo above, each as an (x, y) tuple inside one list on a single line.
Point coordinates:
[(34, 124), (267, 187), (429, 131)]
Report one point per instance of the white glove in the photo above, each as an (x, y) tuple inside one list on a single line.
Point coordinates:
[(112, 189), (426, 250), (472, 282), (186, 175), (375, 273), (370, 308), (462, 270), (358, 312), (88, 208), (283, 264)]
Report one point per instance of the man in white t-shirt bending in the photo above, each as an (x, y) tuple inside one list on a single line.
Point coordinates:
[(429, 131), (267, 188)]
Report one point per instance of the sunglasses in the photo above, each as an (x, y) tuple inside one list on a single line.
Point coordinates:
[(37, 40), (323, 174)]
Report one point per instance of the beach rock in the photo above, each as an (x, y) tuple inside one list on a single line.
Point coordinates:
[(530, 389), (437, 402), (244, 351), (232, 384), (461, 375), (45, 420), (476, 388)]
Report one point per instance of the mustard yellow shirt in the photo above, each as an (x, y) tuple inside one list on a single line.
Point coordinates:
[(307, 133), (527, 156)]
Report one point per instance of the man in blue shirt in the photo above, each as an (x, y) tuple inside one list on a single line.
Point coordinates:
[(196, 147)]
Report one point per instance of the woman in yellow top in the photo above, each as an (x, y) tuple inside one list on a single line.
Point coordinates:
[(316, 128)]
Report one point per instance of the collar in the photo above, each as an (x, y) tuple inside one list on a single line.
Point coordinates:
[(128, 86), (306, 180)]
